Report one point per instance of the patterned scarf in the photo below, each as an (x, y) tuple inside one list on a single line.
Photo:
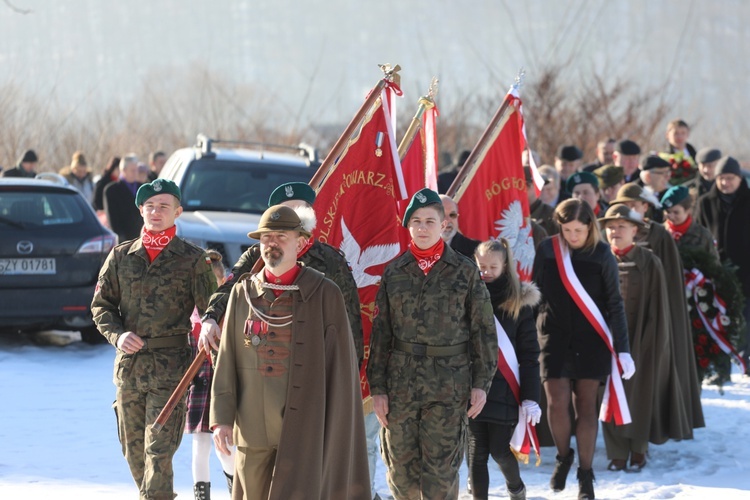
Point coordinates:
[(427, 258), (154, 243), (678, 230)]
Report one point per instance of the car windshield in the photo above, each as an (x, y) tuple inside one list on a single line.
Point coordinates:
[(39, 208), (236, 187)]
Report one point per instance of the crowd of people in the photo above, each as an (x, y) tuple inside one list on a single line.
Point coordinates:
[(465, 359)]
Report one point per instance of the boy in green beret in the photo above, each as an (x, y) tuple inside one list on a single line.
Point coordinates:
[(433, 353), (146, 293), (678, 207)]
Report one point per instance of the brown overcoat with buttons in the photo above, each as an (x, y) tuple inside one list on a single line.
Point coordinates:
[(316, 417)]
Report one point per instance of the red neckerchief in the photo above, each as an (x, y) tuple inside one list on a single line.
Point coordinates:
[(285, 279), (597, 209), (154, 243), (427, 258), (307, 247), (678, 230), (624, 251)]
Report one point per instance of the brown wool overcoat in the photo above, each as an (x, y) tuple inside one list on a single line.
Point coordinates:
[(321, 452)]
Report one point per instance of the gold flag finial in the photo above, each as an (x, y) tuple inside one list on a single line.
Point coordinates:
[(391, 73)]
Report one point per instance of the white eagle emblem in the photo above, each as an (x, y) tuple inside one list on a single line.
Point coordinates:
[(421, 198), (510, 226), (360, 259), (289, 191), (156, 185)]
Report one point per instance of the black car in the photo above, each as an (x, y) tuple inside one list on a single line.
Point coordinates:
[(52, 246)]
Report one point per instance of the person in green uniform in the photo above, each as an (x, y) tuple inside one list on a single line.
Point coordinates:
[(147, 290), (433, 353)]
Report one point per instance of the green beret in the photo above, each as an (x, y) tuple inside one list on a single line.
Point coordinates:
[(581, 178), (159, 186), (421, 198), (292, 191), (674, 195)]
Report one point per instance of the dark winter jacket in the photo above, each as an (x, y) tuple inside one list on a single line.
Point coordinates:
[(501, 406), (19, 171), (728, 225), (464, 245), (124, 217), (563, 329)]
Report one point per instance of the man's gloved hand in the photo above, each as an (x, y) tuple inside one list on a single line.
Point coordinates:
[(531, 411), (628, 365)]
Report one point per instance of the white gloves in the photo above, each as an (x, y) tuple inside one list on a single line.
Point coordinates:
[(628, 365), (532, 411)]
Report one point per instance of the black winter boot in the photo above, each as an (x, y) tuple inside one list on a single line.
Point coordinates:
[(560, 474), (519, 494), (202, 490), (230, 483), (585, 484)]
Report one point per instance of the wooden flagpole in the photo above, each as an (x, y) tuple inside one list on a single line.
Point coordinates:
[(478, 151), (391, 75)]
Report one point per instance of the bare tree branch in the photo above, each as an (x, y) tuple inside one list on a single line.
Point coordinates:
[(16, 9)]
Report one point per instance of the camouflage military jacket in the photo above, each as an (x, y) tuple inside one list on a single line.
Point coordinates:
[(321, 257), (152, 300), (451, 305)]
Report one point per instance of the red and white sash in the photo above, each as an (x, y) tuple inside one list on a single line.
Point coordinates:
[(694, 280), (524, 437), (614, 403)]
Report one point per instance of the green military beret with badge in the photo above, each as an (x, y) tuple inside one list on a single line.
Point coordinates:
[(292, 191), (674, 195), (581, 178), (158, 186), (421, 199), (279, 218)]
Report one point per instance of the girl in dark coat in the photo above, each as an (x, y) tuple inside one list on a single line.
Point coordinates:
[(574, 359), (490, 432)]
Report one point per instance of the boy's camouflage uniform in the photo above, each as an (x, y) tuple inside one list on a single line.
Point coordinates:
[(154, 301), (321, 257), (428, 395)]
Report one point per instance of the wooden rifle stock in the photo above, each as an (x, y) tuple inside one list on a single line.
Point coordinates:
[(182, 387)]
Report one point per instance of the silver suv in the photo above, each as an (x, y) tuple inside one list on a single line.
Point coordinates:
[(225, 190)]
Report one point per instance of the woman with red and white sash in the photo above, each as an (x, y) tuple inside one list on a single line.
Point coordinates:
[(575, 357), (513, 392)]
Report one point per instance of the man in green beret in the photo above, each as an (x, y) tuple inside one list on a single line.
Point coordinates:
[(433, 353), (585, 186), (315, 254), (146, 293)]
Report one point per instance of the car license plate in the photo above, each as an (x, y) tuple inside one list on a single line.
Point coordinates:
[(27, 266)]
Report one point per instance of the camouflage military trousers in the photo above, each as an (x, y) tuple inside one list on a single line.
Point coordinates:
[(140, 398), (423, 447)]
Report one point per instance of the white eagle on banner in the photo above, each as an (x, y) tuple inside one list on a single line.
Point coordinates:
[(511, 227), (360, 260)]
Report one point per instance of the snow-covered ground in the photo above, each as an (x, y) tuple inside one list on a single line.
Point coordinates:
[(58, 439)]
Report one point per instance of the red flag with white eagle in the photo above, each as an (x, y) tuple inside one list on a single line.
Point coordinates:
[(356, 207), (490, 190)]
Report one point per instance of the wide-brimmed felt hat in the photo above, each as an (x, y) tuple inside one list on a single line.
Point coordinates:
[(292, 191), (621, 212), (158, 186), (629, 192), (421, 199), (279, 218)]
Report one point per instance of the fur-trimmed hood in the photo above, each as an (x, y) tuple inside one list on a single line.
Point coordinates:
[(530, 296)]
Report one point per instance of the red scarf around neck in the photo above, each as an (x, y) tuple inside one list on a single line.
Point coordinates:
[(307, 247), (154, 243), (427, 258), (624, 251), (678, 230)]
